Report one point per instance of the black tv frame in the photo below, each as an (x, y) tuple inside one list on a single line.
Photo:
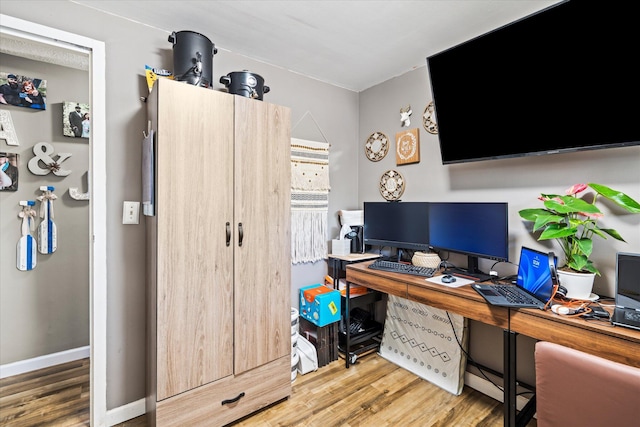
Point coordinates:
[(557, 81)]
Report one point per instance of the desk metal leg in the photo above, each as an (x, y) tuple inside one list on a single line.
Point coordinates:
[(509, 367), (338, 266), (511, 416), (347, 326)]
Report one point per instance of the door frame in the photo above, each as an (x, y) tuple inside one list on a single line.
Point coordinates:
[(98, 195)]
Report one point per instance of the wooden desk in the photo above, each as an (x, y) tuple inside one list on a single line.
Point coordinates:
[(611, 342), (463, 300), (598, 338)]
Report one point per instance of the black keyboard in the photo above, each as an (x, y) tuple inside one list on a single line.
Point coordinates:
[(513, 296), (398, 267)]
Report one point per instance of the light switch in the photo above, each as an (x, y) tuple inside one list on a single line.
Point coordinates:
[(131, 213)]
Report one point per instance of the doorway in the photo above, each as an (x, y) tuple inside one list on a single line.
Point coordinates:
[(71, 44)]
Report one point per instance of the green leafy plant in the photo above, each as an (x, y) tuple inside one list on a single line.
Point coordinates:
[(573, 222)]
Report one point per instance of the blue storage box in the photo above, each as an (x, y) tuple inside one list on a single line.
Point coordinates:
[(320, 304)]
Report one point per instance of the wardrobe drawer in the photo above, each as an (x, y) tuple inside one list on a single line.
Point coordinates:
[(203, 406)]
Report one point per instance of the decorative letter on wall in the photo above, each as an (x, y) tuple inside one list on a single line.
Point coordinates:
[(77, 195), (7, 130), (42, 151)]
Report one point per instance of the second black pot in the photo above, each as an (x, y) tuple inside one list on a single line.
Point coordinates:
[(246, 84)]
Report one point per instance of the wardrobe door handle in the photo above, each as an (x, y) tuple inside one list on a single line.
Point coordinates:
[(240, 234), (228, 233), (234, 400)]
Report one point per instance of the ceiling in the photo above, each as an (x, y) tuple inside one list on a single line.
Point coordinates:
[(353, 44)]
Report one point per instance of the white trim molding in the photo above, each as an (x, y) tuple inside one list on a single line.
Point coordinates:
[(40, 362)]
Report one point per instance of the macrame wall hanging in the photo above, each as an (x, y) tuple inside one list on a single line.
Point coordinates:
[(309, 199)]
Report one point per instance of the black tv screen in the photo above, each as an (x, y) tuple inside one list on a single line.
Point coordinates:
[(475, 229), (560, 80), (400, 225)]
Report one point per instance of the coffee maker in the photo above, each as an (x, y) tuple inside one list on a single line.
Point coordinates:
[(356, 236)]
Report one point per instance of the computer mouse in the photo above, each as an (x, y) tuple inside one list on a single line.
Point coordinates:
[(447, 278)]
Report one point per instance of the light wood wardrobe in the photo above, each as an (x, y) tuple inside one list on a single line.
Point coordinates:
[(219, 315)]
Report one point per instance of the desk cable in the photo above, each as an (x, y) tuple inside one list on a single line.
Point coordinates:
[(469, 356), (479, 366)]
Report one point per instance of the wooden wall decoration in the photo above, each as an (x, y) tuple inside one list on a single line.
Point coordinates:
[(377, 146), (408, 147), (429, 119)]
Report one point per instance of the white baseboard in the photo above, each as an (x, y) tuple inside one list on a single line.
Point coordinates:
[(126, 412), (28, 365)]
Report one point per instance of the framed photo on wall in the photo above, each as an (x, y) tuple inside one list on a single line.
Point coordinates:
[(408, 147), (23, 91), (8, 171), (76, 120)]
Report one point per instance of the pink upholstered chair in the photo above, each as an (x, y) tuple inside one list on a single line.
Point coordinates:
[(574, 388)]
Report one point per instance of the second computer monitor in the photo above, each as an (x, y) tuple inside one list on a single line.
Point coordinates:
[(475, 229)]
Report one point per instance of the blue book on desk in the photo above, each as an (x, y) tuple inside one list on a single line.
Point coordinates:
[(534, 285)]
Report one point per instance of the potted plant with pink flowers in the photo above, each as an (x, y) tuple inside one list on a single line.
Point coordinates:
[(572, 220)]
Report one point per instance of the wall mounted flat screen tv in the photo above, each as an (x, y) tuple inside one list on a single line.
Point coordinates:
[(399, 225), (560, 80), (475, 229)]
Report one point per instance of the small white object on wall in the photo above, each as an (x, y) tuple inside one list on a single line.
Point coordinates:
[(7, 130), (75, 194), (47, 230), (131, 213), (43, 152), (26, 249), (405, 113)]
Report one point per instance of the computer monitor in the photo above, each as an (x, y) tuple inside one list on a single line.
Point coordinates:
[(475, 229), (627, 298), (400, 225)]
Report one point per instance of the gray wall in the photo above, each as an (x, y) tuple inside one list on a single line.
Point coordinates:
[(129, 47), (516, 181), (346, 119), (45, 310)]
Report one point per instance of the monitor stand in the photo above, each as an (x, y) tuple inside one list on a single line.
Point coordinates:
[(471, 272)]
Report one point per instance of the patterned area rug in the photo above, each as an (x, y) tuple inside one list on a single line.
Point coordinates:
[(424, 340), (309, 200)]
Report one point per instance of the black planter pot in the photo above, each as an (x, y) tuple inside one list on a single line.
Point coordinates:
[(245, 84), (192, 58)]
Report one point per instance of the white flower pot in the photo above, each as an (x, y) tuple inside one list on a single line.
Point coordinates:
[(578, 285)]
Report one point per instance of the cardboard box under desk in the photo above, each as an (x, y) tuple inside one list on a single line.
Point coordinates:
[(319, 304)]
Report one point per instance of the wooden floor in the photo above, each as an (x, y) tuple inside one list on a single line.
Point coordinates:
[(373, 392), (55, 396)]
